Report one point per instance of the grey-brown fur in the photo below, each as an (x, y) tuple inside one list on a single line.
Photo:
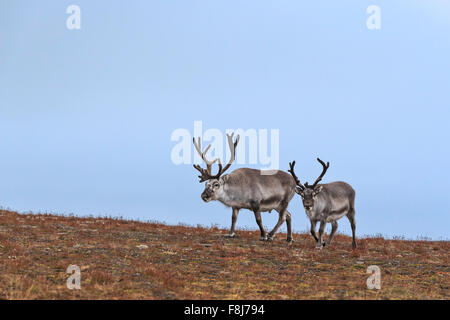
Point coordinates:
[(246, 188), (327, 203)]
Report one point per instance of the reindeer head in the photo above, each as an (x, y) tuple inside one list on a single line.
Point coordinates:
[(214, 183), (309, 192)]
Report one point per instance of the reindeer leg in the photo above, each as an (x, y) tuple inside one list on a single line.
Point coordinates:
[(281, 218), (351, 218), (320, 243), (334, 226), (260, 225), (313, 230), (234, 217), (289, 227)]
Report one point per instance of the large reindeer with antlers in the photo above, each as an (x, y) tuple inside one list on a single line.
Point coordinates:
[(326, 203), (247, 188)]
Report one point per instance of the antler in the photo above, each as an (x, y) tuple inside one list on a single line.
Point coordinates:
[(232, 147), (205, 174), (291, 171), (324, 170)]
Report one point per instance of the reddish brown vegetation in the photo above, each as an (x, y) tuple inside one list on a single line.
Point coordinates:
[(132, 260)]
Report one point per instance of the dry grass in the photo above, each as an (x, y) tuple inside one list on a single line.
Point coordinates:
[(132, 260)]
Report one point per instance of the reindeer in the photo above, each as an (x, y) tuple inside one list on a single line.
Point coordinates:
[(247, 188), (326, 203)]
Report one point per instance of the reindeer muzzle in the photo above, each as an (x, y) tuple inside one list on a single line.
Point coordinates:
[(205, 196)]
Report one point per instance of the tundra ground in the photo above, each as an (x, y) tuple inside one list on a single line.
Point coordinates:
[(122, 259)]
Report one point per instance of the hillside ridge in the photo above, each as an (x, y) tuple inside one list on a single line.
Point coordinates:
[(126, 259)]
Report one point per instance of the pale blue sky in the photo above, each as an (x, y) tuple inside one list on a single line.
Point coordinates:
[(86, 115)]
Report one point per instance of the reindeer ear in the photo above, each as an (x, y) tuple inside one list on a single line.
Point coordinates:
[(299, 191), (224, 178)]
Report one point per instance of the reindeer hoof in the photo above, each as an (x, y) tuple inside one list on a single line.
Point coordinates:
[(263, 238), (320, 246), (230, 235), (289, 240)]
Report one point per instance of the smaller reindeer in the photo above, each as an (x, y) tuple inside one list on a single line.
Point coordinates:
[(326, 203)]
